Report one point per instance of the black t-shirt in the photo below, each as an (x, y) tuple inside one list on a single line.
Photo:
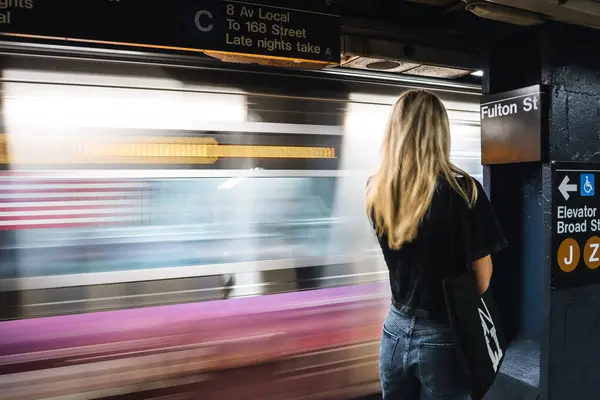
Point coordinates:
[(419, 267)]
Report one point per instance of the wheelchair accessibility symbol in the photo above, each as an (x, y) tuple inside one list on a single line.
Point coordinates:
[(587, 186)]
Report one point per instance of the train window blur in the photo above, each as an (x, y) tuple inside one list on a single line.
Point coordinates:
[(168, 223)]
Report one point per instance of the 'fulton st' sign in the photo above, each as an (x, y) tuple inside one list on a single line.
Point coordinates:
[(511, 124)]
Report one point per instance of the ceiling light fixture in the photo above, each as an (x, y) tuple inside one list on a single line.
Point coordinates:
[(434, 71), (506, 14)]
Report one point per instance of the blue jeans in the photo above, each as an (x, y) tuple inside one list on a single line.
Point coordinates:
[(418, 360)]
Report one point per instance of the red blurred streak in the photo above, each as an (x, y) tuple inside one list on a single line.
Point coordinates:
[(74, 198), (64, 225), (69, 190), (57, 208), (65, 216), (61, 181)]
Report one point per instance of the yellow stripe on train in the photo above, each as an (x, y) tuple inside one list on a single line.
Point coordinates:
[(180, 150)]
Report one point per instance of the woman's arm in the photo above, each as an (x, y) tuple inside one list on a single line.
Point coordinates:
[(483, 273)]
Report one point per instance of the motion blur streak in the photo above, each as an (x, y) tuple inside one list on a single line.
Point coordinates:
[(144, 150), (58, 203), (241, 268), (276, 346)]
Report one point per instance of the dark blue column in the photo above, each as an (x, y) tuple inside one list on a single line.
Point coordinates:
[(555, 332), (571, 66)]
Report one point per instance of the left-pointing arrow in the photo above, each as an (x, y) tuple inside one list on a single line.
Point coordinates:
[(565, 188)]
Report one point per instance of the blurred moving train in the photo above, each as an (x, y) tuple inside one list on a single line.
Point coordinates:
[(229, 191)]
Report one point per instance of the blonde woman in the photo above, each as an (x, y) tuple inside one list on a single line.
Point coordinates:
[(416, 203)]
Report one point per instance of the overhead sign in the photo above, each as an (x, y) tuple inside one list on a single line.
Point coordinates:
[(511, 126), (227, 26), (575, 225)]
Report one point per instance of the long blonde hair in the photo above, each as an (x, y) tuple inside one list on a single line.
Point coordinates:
[(415, 153)]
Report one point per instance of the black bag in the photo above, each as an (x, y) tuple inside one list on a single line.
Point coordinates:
[(475, 322)]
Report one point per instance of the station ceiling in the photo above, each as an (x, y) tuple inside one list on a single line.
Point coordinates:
[(420, 36), (451, 33), (433, 20), (436, 38)]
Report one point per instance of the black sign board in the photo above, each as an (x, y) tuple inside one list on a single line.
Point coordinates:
[(178, 25), (575, 225), (511, 126)]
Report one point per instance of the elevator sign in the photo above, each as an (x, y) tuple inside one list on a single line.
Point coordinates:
[(575, 225)]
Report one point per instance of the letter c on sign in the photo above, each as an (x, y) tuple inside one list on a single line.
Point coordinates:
[(199, 25)]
